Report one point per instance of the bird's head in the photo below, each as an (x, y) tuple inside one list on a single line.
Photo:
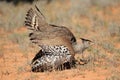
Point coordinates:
[(87, 42)]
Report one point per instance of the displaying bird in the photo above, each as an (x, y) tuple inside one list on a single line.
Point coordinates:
[(51, 35)]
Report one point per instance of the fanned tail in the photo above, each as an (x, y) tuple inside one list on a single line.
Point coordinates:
[(34, 19)]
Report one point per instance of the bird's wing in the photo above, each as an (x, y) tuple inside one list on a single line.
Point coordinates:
[(54, 57), (57, 50)]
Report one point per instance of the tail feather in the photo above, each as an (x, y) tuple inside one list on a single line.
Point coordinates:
[(39, 11), (34, 19)]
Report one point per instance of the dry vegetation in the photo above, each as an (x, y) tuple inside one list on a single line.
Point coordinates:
[(98, 20)]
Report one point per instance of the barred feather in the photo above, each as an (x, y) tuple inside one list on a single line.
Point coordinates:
[(53, 57), (34, 19)]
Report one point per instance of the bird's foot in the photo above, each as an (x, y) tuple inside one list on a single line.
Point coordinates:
[(83, 61)]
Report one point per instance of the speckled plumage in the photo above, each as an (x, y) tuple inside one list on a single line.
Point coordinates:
[(54, 57)]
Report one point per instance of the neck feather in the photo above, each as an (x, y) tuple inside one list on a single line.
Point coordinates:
[(78, 48)]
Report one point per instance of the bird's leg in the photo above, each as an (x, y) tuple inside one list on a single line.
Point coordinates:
[(82, 59), (62, 67), (53, 68)]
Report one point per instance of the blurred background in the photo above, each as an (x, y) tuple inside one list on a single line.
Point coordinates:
[(97, 20)]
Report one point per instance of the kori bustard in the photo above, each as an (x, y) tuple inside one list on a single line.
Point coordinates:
[(51, 36)]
